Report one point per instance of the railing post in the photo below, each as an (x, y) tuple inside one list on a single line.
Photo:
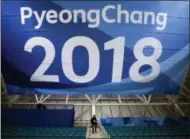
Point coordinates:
[(87, 132)]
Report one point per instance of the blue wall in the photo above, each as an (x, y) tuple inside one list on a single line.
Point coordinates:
[(30, 117), (145, 121)]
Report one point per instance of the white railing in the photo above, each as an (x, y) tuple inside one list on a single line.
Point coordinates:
[(88, 130), (102, 129)]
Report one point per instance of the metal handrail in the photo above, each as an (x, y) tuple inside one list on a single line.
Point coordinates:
[(103, 130), (87, 132)]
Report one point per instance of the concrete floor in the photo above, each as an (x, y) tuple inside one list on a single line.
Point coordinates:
[(98, 135)]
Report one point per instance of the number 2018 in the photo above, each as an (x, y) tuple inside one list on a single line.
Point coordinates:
[(116, 44)]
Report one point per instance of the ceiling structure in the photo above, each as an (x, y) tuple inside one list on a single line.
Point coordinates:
[(180, 103)]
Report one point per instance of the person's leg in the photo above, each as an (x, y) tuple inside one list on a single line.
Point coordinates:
[(92, 128), (95, 128)]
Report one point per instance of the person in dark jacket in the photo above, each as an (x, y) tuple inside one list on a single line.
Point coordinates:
[(94, 124)]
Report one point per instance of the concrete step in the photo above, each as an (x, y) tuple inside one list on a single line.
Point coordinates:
[(98, 135)]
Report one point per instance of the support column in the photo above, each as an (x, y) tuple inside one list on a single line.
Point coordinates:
[(93, 105), (119, 99), (93, 109), (93, 102), (67, 99)]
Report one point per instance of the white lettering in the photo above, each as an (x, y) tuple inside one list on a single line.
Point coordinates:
[(162, 23), (69, 14), (122, 12), (149, 14), (139, 17), (104, 14), (94, 17), (23, 15), (95, 20), (51, 16), (39, 18), (76, 14)]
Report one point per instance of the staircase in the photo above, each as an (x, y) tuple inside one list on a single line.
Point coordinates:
[(101, 132)]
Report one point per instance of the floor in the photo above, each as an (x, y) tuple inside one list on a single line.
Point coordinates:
[(98, 135)]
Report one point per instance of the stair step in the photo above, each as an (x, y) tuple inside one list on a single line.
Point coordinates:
[(98, 135)]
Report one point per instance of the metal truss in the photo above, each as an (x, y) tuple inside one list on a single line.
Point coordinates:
[(177, 102), (93, 101)]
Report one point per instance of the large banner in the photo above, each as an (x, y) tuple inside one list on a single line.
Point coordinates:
[(95, 47)]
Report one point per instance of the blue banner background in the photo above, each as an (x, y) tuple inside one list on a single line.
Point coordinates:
[(18, 65)]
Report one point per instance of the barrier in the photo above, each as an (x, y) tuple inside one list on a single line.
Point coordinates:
[(43, 132), (153, 132), (102, 129), (146, 121), (29, 117)]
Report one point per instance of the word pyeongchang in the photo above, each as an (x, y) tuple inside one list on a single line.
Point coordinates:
[(110, 14)]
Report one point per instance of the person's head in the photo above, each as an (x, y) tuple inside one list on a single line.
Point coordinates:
[(94, 116)]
